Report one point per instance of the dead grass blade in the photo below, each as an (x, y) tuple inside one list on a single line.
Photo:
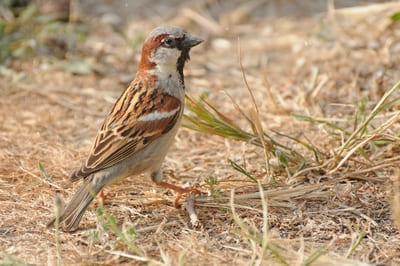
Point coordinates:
[(255, 115), (130, 256), (265, 238)]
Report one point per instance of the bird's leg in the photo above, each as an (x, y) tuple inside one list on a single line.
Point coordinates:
[(102, 196), (179, 190), (157, 177)]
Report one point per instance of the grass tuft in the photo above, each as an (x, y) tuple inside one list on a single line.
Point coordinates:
[(361, 136), (204, 117)]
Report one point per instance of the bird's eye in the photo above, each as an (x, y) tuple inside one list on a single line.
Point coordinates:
[(169, 42)]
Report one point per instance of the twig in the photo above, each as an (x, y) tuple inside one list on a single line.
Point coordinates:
[(190, 209)]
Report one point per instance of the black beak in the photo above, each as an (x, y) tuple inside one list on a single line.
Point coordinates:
[(191, 41)]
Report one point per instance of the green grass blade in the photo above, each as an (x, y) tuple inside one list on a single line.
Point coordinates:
[(241, 170)]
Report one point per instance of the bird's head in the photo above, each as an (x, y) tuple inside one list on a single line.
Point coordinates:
[(166, 49)]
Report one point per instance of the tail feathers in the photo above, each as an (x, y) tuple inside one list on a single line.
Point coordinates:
[(78, 174), (73, 212)]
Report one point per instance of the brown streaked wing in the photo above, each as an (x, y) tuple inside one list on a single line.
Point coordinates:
[(128, 134)]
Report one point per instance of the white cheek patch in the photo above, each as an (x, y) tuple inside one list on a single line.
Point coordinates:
[(157, 116), (166, 56)]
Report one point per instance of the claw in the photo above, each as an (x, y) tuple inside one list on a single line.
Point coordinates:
[(180, 191)]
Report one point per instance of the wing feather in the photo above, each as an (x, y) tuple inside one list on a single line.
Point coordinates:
[(138, 118)]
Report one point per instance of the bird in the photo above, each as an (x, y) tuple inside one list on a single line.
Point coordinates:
[(141, 126)]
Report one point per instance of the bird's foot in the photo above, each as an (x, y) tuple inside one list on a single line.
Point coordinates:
[(179, 190)]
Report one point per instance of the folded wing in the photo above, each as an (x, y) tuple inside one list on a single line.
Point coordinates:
[(138, 118)]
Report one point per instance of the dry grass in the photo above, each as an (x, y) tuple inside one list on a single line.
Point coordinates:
[(330, 69)]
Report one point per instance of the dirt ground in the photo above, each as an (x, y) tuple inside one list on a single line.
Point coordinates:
[(331, 63)]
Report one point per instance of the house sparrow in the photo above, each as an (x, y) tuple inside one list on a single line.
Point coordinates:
[(142, 124)]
